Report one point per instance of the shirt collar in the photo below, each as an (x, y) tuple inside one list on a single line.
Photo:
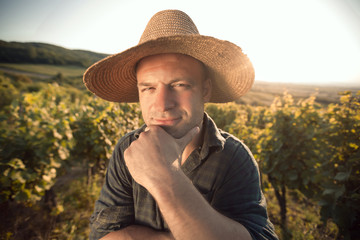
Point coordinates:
[(212, 137)]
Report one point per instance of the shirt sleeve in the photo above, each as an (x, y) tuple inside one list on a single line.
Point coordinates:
[(240, 197), (114, 209)]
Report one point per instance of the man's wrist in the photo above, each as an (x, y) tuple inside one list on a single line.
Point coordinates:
[(171, 188), (169, 178)]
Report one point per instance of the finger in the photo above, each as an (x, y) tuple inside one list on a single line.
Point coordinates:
[(185, 140)]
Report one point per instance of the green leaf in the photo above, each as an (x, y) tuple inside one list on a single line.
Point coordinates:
[(56, 134), (39, 189), (63, 153), (23, 195), (292, 175), (16, 163), (339, 192), (342, 176), (16, 176), (329, 191)]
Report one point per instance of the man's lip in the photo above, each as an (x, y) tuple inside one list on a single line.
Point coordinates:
[(165, 121)]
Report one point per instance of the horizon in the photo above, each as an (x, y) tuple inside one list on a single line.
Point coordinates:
[(301, 42)]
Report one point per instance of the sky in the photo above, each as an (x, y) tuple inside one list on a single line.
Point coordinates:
[(295, 41)]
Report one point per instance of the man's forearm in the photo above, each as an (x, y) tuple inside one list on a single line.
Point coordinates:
[(153, 161), (137, 232), (188, 214)]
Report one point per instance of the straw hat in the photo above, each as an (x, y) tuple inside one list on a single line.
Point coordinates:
[(173, 31)]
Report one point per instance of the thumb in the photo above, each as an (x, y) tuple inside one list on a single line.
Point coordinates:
[(185, 140)]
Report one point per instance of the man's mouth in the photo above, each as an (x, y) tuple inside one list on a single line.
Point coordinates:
[(165, 121)]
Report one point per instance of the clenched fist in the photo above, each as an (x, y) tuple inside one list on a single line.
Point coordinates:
[(155, 155)]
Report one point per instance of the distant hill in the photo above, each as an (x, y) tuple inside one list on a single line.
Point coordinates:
[(42, 53)]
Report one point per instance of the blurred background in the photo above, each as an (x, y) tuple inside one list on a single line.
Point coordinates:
[(301, 119)]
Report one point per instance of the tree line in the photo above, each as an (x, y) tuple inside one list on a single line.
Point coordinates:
[(42, 53)]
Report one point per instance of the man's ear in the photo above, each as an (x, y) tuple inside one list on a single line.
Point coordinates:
[(207, 88)]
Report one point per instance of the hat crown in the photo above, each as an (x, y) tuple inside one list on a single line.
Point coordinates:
[(168, 23)]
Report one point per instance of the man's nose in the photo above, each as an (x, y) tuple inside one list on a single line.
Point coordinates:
[(164, 99)]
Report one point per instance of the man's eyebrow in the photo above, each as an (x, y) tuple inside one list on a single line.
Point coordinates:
[(186, 79), (145, 84), (150, 83)]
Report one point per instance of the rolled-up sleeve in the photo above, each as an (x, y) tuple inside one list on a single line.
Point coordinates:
[(240, 197), (114, 209)]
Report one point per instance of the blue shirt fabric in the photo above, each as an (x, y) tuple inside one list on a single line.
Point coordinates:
[(223, 170)]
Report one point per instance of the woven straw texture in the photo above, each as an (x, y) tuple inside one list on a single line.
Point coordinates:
[(172, 31)]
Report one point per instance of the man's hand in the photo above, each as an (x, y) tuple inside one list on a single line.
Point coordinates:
[(151, 158)]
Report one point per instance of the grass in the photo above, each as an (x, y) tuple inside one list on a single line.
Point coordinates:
[(51, 70), (303, 218)]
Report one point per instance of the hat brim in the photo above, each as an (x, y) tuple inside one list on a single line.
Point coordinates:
[(230, 70)]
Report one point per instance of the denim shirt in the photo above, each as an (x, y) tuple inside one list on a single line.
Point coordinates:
[(223, 170)]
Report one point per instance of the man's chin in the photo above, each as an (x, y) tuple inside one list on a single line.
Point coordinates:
[(171, 131)]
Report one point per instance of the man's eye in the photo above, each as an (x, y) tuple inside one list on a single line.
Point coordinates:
[(181, 85), (146, 89)]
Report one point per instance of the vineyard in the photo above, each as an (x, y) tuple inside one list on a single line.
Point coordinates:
[(55, 142)]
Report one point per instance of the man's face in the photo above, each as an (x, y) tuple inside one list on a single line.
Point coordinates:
[(172, 92)]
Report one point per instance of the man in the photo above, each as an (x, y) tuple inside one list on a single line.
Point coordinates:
[(178, 176)]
